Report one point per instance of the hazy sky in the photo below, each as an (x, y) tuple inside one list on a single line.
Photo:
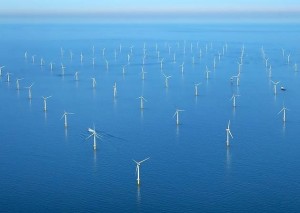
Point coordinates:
[(142, 8), (140, 4)]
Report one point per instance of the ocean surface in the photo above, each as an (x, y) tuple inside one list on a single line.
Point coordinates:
[(45, 167)]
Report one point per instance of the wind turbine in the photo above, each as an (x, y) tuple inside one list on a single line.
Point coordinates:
[(71, 55), (233, 100), (76, 76), (196, 89), (143, 73), (207, 72), (182, 67), (270, 71), (214, 63), (115, 89), (237, 79), (8, 76), (95, 135), (45, 102), (81, 57), (62, 69), (142, 99), (228, 133), (275, 86), (167, 80), (93, 82), (62, 52), (106, 63), (1, 70), (18, 84), (51, 66), (42, 62), (137, 170), (33, 57), (29, 91), (177, 115), (103, 52), (65, 116), (284, 113), (161, 63), (123, 69), (266, 62)]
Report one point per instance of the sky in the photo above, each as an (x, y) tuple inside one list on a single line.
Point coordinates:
[(151, 9)]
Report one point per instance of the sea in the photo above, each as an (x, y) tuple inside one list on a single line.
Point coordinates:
[(47, 167)]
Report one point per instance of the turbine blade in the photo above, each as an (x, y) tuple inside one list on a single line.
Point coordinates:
[(89, 136), (144, 160), (230, 133)]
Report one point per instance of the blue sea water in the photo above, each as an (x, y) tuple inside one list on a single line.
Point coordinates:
[(45, 167)]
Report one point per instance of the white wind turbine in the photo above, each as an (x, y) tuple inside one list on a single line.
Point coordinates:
[(18, 83), (42, 62), (62, 52), (45, 102), (65, 116), (275, 86), (233, 98), (106, 64), (228, 133), (237, 79), (71, 55), (128, 58), (94, 82), (283, 52), (81, 57), (167, 80), (1, 70), (95, 135), (142, 99), (62, 69), (207, 72), (266, 62), (283, 110), (76, 76), (177, 115), (51, 66), (196, 88), (8, 76), (182, 67), (33, 58), (123, 69), (29, 91), (115, 89), (270, 71), (161, 63), (143, 73), (137, 170)]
